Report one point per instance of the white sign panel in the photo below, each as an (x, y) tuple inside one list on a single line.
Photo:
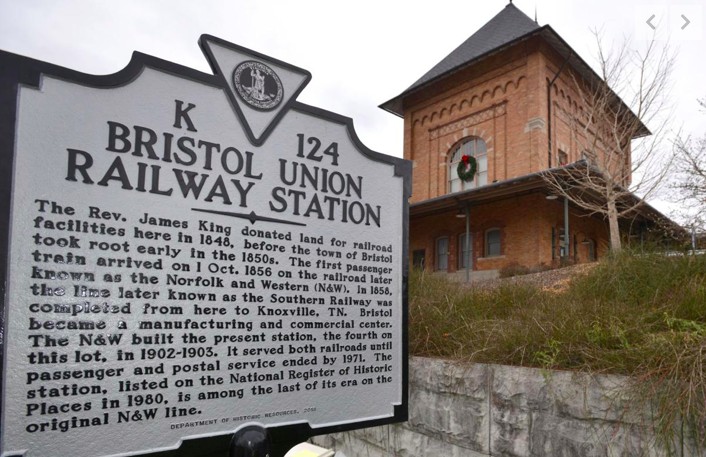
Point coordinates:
[(188, 254)]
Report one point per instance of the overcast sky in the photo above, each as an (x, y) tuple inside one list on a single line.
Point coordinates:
[(361, 53)]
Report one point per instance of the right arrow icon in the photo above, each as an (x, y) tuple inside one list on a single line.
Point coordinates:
[(686, 22)]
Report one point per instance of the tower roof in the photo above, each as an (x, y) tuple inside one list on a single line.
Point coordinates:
[(507, 28), (508, 25)]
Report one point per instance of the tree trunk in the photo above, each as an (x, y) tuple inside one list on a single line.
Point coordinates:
[(615, 245)]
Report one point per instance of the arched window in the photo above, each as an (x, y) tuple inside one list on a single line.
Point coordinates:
[(592, 257), (493, 239), (475, 147), (442, 253)]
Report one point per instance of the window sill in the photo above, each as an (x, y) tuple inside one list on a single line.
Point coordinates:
[(491, 257)]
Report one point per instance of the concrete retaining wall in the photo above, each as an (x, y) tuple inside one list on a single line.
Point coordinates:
[(479, 410)]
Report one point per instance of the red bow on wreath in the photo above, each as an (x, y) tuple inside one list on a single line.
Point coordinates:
[(465, 159)]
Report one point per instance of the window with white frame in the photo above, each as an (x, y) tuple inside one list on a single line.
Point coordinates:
[(492, 242), (442, 253), (559, 245), (474, 147)]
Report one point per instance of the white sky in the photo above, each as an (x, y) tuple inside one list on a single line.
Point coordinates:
[(361, 53)]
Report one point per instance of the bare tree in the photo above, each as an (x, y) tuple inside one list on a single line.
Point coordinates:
[(621, 164), (690, 166)]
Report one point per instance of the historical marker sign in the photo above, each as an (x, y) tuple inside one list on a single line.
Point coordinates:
[(187, 254)]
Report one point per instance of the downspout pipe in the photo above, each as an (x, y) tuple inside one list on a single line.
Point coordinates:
[(467, 251), (567, 243), (550, 84)]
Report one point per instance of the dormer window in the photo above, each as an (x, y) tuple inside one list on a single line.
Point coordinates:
[(474, 147)]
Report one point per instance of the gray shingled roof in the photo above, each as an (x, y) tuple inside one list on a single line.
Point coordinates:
[(508, 25)]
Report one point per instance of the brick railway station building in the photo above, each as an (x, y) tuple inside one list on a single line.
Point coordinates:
[(501, 97)]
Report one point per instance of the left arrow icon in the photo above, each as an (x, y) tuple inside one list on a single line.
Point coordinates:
[(650, 23)]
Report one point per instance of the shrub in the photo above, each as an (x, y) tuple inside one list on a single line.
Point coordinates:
[(513, 269), (638, 315)]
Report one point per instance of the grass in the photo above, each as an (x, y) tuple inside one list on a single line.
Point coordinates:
[(642, 316)]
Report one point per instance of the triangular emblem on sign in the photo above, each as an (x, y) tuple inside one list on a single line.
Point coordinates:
[(260, 88)]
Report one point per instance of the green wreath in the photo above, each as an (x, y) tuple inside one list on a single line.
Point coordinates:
[(467, 168)]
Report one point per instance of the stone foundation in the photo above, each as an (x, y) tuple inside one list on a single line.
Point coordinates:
[(458, 410)]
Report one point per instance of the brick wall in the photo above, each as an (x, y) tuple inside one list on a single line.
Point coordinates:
[(503, 100), (525, 222)]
